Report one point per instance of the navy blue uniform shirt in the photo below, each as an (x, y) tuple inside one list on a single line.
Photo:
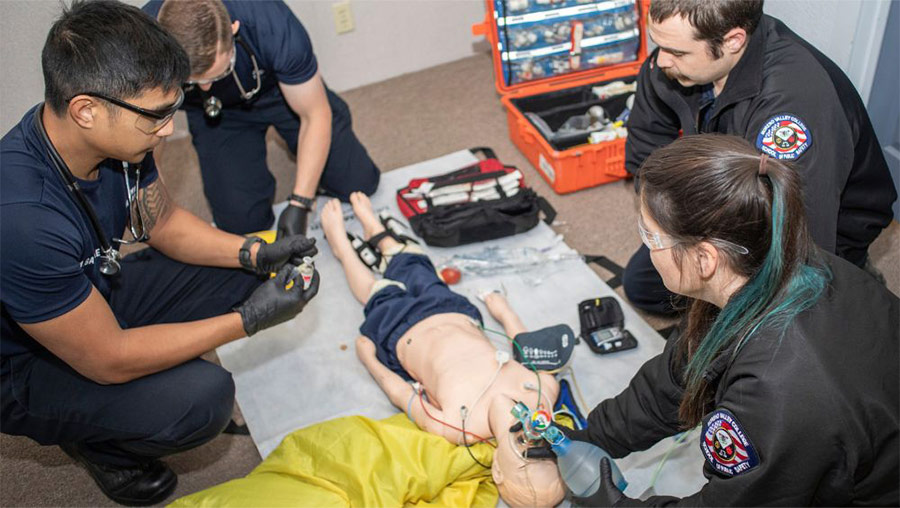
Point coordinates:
[(277, 39), (50, 250)]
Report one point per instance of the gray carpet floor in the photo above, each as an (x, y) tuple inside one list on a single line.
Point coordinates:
[(401, 121)]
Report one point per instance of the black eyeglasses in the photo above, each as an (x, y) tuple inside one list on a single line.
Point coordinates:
[(148, 122)]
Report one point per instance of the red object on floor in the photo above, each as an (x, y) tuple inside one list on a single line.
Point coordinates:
[(450, 275)]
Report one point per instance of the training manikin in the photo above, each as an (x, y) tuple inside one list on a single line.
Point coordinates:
[(446, 353)]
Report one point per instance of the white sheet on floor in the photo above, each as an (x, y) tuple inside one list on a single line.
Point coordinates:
[(306, 371)]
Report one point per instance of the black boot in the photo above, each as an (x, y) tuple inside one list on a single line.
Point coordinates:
[(138, 485)]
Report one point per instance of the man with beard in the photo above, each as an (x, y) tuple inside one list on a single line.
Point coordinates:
[(725, 67)]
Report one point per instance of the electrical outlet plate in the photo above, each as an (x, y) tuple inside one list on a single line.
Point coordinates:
[(343, 17)]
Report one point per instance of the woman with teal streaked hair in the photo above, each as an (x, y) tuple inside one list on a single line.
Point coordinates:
[(788, 358)]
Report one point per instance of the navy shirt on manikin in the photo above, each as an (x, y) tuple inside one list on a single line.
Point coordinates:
[(50, 250), (278, 40)]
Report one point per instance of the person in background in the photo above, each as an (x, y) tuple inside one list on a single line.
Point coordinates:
[(725, 67), (252, 67), (98, 355), (788, 360)]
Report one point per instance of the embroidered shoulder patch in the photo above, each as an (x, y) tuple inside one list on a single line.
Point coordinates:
[(725, 446), (784, 136)]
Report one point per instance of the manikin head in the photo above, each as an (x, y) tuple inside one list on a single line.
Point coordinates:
[(700, 41), (205, 31), (112, 78), (521, 481)]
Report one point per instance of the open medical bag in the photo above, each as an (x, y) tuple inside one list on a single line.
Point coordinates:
[(550, 57), (479, 202)]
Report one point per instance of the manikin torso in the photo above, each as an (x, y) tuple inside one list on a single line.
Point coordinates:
[(454, 362)]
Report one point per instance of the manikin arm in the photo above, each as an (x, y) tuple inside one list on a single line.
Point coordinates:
[(503, 313), (401, 393)]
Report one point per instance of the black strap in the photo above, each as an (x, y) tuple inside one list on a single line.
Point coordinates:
[(305, 202), (244, 255), (610, 266), (547, 208), (499, 189), (234, 428), (474, 169), (475, 177), (483, 150)]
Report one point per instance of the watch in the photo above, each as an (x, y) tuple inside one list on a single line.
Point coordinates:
[(305, 202), (244, 254)]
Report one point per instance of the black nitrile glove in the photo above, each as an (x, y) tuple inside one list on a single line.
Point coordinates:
[(544, 451), (608, 494), (272, 304), (272, 256), (292, 221)]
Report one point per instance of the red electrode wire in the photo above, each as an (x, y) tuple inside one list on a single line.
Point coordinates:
[(480, 439)]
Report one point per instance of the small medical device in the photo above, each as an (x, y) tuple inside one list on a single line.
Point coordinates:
[(603, 326)]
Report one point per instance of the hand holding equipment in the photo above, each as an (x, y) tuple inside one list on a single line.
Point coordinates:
[(607, 494), (272, 256), (272, 304), (545, 451)]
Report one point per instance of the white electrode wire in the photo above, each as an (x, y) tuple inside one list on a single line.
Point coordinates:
[(487, 386), (529, 386)]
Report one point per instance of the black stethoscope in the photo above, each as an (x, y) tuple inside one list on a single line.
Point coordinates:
[(212, 105), (109, 256)]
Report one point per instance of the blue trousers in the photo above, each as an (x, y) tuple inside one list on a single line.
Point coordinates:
[(393, 310), (644, 286), (236, 179), (173, 410)]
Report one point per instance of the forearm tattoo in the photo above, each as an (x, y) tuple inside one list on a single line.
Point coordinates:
[(155, 204)]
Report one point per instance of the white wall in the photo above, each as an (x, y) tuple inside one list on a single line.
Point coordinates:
[(829, 25), (391, 37)]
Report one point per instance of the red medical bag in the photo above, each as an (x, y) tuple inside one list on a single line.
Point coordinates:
[(482, 201)]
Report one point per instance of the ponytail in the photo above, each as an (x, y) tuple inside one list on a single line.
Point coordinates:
[(783, 287)]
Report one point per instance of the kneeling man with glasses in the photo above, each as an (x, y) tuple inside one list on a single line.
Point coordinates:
[(100, 355)]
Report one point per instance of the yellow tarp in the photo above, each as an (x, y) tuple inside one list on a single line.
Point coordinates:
[(355, 461)]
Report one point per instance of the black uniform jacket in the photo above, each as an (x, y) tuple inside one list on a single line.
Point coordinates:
[(819, 405), (848, 187)]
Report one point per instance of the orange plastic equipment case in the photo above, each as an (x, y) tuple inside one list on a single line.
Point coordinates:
[(583, 165)]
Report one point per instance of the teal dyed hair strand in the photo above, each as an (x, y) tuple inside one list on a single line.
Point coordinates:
[(760, 303)]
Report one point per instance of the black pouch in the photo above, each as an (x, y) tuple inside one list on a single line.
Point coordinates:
[(603, 326), (452, 225), (547, 349)]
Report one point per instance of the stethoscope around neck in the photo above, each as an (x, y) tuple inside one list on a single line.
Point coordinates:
[(109, 256), (212, 105)]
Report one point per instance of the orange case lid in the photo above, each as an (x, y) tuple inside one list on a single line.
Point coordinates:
[(489, 29)]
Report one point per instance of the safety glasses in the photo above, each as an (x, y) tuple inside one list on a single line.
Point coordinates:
[(655, 241), (661, 241), (148, 121), (225, 74)]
